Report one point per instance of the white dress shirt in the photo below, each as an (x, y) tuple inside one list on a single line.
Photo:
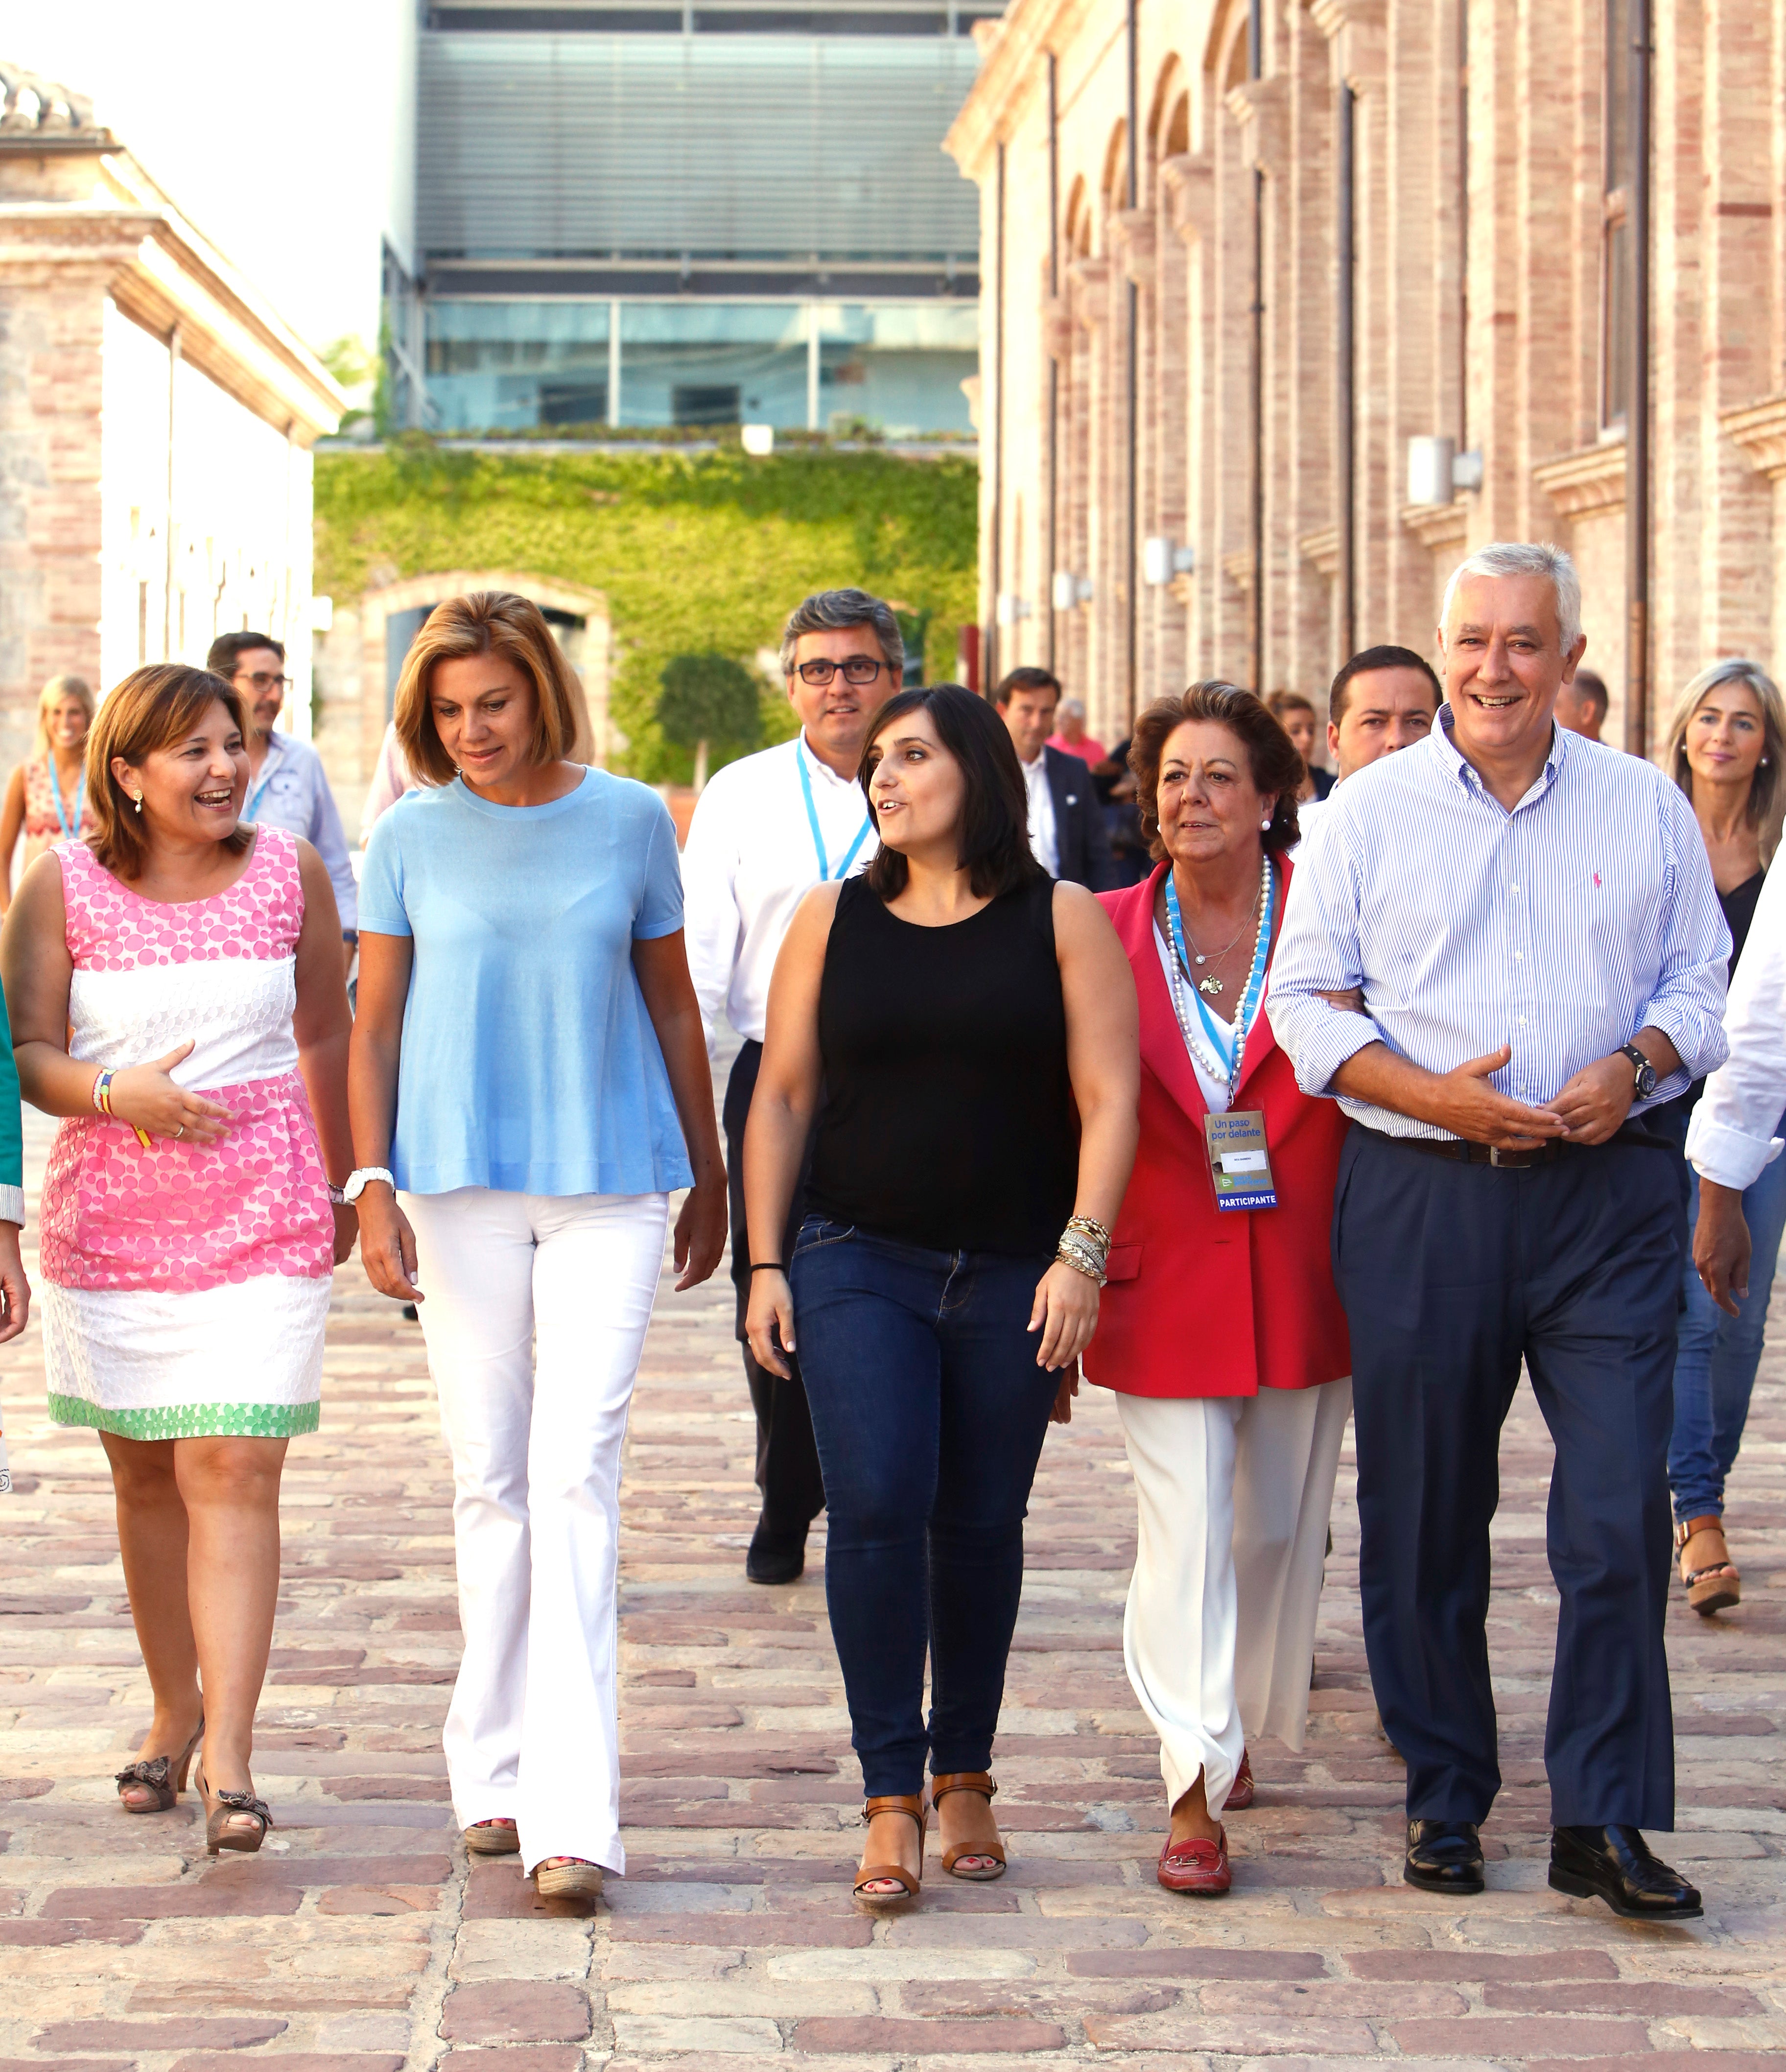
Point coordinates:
[(1732, 1135), (290, 790), (750, 860), (1561, 928), (1044, 839)]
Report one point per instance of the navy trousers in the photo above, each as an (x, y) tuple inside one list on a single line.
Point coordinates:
[(1452, 1274)]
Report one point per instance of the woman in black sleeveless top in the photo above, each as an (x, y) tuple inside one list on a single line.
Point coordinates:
[(974, 1027)]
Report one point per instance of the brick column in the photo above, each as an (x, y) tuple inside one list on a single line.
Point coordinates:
[(53, 282)]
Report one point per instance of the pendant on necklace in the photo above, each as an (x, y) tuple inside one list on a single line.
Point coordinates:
[(1211, 984), (1200, 959)]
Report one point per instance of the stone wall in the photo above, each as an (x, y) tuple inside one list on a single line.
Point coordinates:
[(1480, 200), (156, 418)]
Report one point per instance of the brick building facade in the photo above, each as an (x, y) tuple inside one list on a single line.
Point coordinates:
[(1478, 157), (156, 422)]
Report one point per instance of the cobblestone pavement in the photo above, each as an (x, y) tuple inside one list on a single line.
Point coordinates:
[(358, 1942)]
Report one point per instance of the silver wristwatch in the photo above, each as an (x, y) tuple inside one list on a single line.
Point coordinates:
[(362, 1177)]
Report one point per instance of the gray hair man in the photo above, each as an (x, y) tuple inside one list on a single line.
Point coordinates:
[(1505, 950), (766, 830)]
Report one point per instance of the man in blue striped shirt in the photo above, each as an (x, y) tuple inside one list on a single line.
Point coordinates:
[(1505, 949)]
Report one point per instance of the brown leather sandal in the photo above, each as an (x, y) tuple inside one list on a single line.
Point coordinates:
[(1712, 1586), (977, 1780), (164, 1775), (223, 1809), (914, 1806)]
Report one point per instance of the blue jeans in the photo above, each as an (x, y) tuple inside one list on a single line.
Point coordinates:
[(930, 1411), (1716, 1354)]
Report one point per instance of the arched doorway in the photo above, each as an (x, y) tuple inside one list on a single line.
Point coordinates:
[(359, 660)]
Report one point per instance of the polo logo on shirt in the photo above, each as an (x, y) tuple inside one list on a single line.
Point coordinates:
[(1596, 881)]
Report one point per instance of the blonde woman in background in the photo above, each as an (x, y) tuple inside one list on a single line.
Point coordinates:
[(46, 796), (1726, 745)]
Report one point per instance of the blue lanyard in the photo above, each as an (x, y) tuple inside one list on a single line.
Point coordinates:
[(70, 831), (259, 791), (825, 871), (1235, 1046)]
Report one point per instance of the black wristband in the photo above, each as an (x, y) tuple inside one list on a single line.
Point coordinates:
[(767, 1266)]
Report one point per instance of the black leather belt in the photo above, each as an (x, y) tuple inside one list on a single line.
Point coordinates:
[(1547, 1154), (1462, 1153)]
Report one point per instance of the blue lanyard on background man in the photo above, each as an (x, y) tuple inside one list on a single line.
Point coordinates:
[(259, 791), (825, 871), (69, 833)]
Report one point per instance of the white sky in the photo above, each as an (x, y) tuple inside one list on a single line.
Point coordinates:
[(282, 132)]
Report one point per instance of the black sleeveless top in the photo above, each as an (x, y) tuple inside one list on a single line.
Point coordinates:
[(948, 1118)]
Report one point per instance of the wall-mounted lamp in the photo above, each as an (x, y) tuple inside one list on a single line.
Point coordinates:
[(1069, 590), (1437, 470), (1161, 559), (1011, 608)]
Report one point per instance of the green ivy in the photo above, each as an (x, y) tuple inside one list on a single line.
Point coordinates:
[(693, 552)]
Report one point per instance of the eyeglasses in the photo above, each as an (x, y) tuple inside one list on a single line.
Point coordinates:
[(260, 685), (857, 669)]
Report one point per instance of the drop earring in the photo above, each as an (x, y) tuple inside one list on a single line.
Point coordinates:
[(139, 802)]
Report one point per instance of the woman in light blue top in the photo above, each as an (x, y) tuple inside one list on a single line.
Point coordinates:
[(529, 1082)]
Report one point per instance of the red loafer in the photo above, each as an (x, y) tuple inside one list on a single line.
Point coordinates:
[(1240, 1792), (1195, 1865)]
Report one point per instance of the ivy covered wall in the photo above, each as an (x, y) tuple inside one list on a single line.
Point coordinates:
[(696, 552)]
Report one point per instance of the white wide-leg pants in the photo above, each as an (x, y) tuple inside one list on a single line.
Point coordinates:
[(534, 1314), (1235, 1493)]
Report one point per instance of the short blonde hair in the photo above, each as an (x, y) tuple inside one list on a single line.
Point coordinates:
[(1768, 787), (153, 708), (487, 622), (52, 695)]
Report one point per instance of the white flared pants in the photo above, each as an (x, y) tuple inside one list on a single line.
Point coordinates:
[(535, 1314), (1235, 1493)]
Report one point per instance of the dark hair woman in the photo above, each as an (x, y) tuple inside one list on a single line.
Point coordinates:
[(1233, 1428), (958, 1006)]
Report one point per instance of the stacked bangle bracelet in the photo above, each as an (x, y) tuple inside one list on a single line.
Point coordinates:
[(102, 1101), (1085, 1247)]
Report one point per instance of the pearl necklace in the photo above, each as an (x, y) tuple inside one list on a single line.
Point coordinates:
[(1211, 1065)]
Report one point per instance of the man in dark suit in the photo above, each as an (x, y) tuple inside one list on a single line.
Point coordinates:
[(1067, 822)]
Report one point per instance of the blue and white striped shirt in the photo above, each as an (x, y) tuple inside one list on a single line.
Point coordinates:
[(1561, 928)]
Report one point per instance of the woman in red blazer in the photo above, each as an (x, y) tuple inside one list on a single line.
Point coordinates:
[(1221, 1331)]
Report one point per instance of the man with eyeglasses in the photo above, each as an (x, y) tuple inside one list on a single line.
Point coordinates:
[(286, 785), (766, 830)]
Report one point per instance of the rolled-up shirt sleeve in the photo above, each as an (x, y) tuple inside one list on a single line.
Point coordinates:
[(1318, 952), (1731, 1137), (1686, 1003)]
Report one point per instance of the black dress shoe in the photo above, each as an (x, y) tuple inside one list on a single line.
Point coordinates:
[(776, 1557), (1614, 1864), (1443, 1855)]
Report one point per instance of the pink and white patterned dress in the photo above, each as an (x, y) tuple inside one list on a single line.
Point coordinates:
[(188, 1286)]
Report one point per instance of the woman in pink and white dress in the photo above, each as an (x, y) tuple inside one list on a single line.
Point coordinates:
[(176, 992)]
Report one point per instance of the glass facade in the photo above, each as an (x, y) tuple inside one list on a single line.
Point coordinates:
[(695, 216), (894, 368)]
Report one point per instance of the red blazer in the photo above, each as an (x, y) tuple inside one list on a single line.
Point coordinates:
[(1203, 1302)]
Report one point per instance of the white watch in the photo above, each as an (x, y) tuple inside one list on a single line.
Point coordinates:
[(362, 1177)]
